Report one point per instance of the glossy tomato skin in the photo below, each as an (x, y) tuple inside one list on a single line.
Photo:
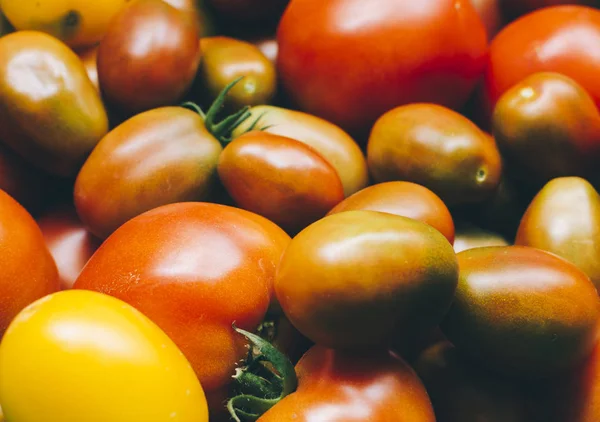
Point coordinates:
[(28, 270), (462, 392), (339, 386), (199, 10), (133, 371), (558, 39), (158, 157), (438, 148), (225, 59), (523, 311), (139, 70), (359, 279), (194, 269), (329, 140), (50, 112), (490, 12), (402, 198), (328, 52), (70, 243), (279, 178), (564, 218), (547, 126)]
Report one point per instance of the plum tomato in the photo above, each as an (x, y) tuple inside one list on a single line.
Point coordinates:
[(358, 279), (280, 178), (402, 198)]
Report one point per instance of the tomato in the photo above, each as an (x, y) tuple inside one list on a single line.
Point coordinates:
[(438, 148), (194, 269), (335, 145), (462, 392), (138, 69), (133, 371), (50, 112), (158, 157), (269, 47), (279, 178), (79, 23), (337, 386), (405, 199), (28, 270), (490, 12), (523, 311), (564, 218), (70, 244), (552, 118), (348, 62), (225, 59), (199, 9), (89, 58), (357, 279), (469, 236), (558, 39)]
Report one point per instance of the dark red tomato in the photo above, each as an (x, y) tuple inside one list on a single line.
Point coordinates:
[(491, 15), (350, 61), (334, 386), (562, 39), (149, 56), (194, 269), (69, 242), (28, 271)]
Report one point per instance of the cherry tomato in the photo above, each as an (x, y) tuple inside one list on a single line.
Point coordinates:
[(438, 148), (560, 39), (104, 359), (358, 278), (79, 23), (405, 199), (350, 61), (523, 311), (279, 178), (335, 145), (70, 244), (28, 270), (148, 57), (337, 386), (194, 269)]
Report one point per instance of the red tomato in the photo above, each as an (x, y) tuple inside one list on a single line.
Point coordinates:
[(194, 269), (28, 271), (334, 386), (562, 39), (70, 243), (350, 61)]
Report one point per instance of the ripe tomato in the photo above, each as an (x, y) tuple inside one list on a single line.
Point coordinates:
[(350, 61), (105, 360), (562, 39), (28, 270), (69, 242), (194, 269), (335, 386)]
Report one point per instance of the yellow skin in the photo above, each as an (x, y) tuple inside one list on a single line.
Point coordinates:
[(79, 23), (83, 356)]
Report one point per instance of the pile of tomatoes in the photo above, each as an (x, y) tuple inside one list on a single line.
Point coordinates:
[(299, 210)]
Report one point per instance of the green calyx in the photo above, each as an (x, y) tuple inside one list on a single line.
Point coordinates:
[(267, 377), (223, 130)]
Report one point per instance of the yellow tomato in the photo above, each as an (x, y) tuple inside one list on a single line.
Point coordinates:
[(78, 356), (78, 23)]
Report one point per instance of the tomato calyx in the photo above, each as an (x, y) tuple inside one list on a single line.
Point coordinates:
[(266, 378), (223, 129)]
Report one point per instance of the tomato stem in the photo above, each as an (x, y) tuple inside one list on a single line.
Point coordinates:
[(267, 378)]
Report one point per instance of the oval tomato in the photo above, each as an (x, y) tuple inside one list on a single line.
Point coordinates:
[(523, 311), (560, 39), (194, 269), (405, 199), (28, 270), (337, 386), (358, 279), (350, 61), (133, 371)]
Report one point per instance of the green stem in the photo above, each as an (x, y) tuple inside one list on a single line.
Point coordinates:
[(260, 390)]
